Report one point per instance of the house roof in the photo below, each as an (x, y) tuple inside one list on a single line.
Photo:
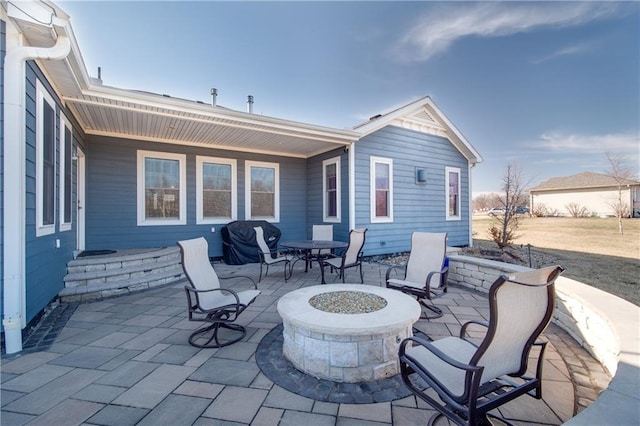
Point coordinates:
[(580, 181), (424, 116), (114, 112), (109, 111)]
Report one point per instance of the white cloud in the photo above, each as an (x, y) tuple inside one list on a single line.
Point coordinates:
[(435, 32), (615, 143), (566, 51)]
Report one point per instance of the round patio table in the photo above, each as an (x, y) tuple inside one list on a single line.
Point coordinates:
[(308, 246)]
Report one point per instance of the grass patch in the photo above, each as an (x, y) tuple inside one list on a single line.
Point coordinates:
[(590, 249)]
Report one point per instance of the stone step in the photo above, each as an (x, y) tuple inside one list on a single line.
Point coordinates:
[(122, 259), (114, 288), (97, 277), (100, 275)]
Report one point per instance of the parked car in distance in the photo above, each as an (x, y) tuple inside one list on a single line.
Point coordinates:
[(499, 211)]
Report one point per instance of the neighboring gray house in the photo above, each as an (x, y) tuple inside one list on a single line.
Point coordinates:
[(597, 193), (87, 166)]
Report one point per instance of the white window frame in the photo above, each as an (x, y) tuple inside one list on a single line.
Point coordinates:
[(247, 190), (181, 158), (65, 124), (372, 185), (447, 171), (325, 205), (200, 162), (42, 97)]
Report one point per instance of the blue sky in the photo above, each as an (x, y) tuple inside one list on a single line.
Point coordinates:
[(549, 86)]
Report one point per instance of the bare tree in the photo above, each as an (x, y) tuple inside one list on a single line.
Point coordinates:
[(482, 202), (623, 175), (504, 226)]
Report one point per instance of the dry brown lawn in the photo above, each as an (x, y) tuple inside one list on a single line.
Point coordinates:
[(590, 249)]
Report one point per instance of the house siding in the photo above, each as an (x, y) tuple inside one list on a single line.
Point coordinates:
[(315, 196), (45, 265), (416, 207), (597, 201), (111, 207)]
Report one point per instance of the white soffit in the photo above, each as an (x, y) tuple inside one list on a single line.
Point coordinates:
[(177, 121)]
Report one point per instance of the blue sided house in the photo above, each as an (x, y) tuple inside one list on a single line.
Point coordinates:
[(87, 166)]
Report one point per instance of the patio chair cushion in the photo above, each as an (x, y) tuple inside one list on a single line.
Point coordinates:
[(352, 256), (322, 233), (470, 380), (268, 255), (202, 276), (428, 251), (220, 299), (451, 377)]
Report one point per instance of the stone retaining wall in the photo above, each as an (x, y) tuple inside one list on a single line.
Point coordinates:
[(605, 325)]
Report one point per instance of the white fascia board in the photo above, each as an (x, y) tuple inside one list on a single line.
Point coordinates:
[(449, 125)]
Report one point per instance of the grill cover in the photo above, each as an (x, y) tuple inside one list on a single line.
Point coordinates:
[(239, 244)]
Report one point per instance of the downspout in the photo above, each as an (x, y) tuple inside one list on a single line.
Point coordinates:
[(352, 186), (14, 279), (471, 166)]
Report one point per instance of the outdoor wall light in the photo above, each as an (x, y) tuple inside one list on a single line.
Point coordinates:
[(421, 176)]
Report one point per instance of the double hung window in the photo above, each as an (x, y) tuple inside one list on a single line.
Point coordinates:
[(331, 205), (262, 191), (216, 190), (161, 188), (45, 162), (452, 188), (66, 203), (381, 184)]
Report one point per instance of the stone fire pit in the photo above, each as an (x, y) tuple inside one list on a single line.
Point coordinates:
[(346, 332)]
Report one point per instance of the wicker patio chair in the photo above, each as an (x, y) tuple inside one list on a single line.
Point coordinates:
[(471, 380), (208, 302)]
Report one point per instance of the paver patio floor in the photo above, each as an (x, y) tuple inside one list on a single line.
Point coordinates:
[(126, 361)]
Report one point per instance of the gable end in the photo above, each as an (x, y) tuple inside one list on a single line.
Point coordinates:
[(421, 121)]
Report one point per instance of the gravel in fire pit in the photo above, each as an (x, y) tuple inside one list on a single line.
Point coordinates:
[(347, 302)]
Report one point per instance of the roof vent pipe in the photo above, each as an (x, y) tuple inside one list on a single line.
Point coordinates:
[(214, 96), (250, 104)]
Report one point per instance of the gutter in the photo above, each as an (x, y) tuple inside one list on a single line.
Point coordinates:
[(14, 246)]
